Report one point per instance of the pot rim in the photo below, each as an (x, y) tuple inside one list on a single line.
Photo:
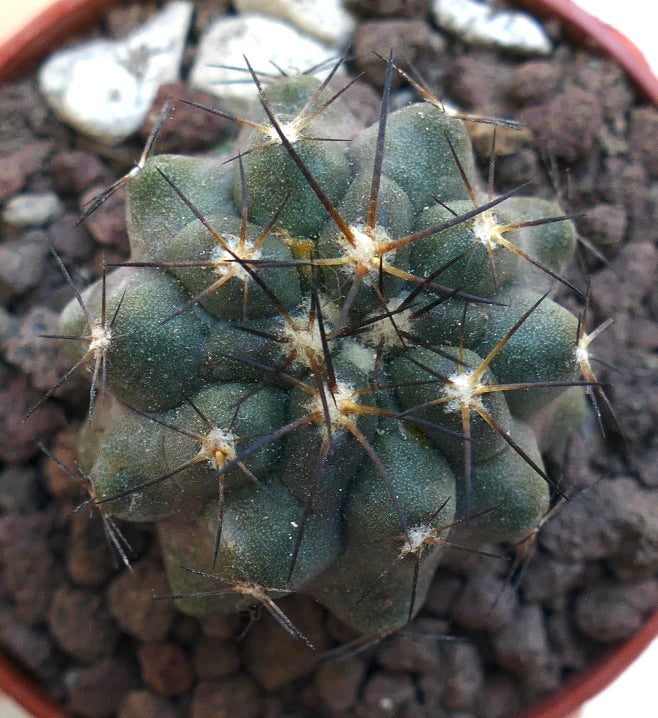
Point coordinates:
[(585, 29), (27, 692), (594, 679), (58, 21), (62, 19)]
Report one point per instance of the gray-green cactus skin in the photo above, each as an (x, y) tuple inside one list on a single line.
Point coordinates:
[(328, 358)]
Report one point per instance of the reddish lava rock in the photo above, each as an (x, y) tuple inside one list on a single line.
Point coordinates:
[(533, 81), (97, 691), (609, 613), (144, 704), (187, 129), (215, 658), (107, 224), (412, 42), (62, 483), (19, 438), (89, 561), (165, 668), (276, 658), (131, 602), (567, 125), (385, 694), (74, 171), (644, 128), (15, 168), (338, 683), (81, 624), (236, 696), (30, 570)]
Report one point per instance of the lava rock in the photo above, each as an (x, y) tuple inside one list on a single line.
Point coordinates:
[(165, 668), (81, 624), (131, 602), (236, 696), (609, 612)]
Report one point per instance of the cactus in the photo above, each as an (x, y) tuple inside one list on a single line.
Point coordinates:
[(327, 358)]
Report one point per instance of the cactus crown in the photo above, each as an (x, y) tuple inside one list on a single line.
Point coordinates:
[(327, 358)]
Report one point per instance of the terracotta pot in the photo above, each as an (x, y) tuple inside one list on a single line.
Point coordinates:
[(595, 679), (584, 29), (20, 53), (25, 691), (61, 19)]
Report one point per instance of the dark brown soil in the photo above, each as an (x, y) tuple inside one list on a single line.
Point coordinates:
[(487, 642)]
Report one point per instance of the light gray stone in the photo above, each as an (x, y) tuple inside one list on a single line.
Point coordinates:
[(32, 209), (477, 23), (105, 88), (328, 20), (266, 42)]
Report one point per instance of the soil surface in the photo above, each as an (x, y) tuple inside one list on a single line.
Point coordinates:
[(493, 636)]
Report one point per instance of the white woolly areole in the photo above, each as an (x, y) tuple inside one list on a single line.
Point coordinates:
[(485, 230), (582, 355), (339, 404), (225, 261), (100, 339), (218, 446), (289, 129), (461, 391), (384, 332), (363, 255), (304, 341), (416, 537)]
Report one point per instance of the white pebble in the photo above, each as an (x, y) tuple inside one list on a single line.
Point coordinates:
[(267, 43), (32, 209), (477, 23), (105, 88), (328, 20)]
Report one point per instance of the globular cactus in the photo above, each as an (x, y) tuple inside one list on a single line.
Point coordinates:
[(327, 358)]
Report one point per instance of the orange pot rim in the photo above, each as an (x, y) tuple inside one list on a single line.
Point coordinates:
[(25, 690), (585, 29), (594, 679), (62, 19)]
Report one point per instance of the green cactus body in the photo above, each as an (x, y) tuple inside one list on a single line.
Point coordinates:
[(378, 552), (321, 361)]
